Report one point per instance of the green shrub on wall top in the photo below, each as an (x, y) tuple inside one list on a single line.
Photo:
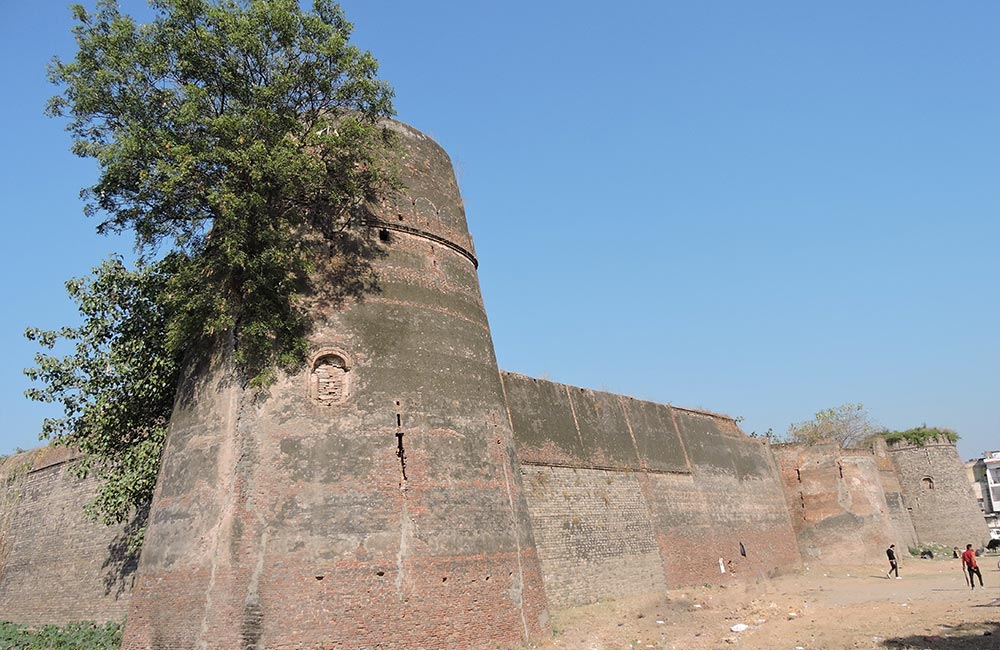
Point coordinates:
[(73, 636), (920, 436)]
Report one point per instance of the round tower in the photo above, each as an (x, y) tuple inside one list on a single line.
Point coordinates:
[(938, 494), (372, 500)]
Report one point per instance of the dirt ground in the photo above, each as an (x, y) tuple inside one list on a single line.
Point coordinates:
[(930, 607)]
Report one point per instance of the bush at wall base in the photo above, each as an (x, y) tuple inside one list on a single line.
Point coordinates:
[(72, 636)]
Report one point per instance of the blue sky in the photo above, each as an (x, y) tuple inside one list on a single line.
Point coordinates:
[(763, 209)]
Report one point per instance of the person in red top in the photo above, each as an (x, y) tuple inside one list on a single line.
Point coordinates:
[(969, 563)]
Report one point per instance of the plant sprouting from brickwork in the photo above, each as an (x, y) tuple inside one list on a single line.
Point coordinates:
[(241, 142), (116, 387), (921, 435), (848, 425)]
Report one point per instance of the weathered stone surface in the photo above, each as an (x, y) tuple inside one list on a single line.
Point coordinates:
[(838, 504), (937, 494), (392, 516), (57, 565), (629, 497)]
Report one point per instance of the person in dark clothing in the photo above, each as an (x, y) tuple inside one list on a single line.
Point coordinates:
[(969, 563), (893, 565)]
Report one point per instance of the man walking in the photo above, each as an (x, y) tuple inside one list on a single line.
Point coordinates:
[(969, 563), (893, 565)]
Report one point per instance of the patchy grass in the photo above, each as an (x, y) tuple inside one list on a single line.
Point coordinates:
[(73, 636)]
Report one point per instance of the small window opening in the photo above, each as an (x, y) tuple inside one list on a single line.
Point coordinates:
[(383, 235), (927, 483)]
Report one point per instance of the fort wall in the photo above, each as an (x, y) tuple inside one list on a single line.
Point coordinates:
[(630, 497), (837, 503), (57, 565), (401, 491), (902, 522), (937, 494)]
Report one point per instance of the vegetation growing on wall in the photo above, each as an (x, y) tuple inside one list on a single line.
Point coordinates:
[(241, 143), (849, 425), (75, 636), (921, 435)]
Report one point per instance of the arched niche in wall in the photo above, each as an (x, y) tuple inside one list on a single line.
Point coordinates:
[(927, 483), (329, 377)]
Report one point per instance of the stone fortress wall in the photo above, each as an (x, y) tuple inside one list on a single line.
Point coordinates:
[(56, 565), (403, 491), (629, 497), (624, 497), (839, 502), (371, 500), (937, 494)]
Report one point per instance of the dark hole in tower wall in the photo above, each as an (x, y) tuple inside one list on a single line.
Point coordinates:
[(400, 450)]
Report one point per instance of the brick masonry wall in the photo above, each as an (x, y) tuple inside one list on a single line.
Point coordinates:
[(594, 534), (838, 505), (698, 524), (937, 493), (696, 488), (56, 565)]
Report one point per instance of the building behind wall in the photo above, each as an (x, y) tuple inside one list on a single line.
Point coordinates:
[(985, 477)]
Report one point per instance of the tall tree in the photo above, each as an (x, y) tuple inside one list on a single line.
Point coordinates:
[(849, 425), (241, 142)]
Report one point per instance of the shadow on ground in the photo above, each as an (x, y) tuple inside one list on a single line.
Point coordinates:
[(963, 636)]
